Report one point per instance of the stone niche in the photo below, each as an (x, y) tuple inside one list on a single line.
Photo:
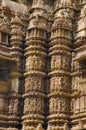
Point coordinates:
[(83, 68), (4, 70), (15, 85), (3, 38)]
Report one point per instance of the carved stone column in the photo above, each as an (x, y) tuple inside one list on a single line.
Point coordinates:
[(35, 72), (60, 76), (79, 74), (4, 70), (15, 74)]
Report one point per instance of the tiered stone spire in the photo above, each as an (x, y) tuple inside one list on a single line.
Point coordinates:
[(79, 74), (35, 72), (4, 60), (60, 76), (16, 53), (53, 77)]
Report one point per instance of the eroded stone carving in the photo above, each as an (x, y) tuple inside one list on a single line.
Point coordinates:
[(34, 84), (53, 90), (13, 106), (35, 63), (58, 105), (59, 84), (33, 105)]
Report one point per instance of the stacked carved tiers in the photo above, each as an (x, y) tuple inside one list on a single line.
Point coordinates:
[(16, 53), (60, 75), (5, 64), (67, 96), (4, 34), (78, 102), (35, 72)]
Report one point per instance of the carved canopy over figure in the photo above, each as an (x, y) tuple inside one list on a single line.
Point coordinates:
[(16, 102)]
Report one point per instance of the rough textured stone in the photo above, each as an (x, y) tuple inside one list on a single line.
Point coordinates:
[(42, 65)]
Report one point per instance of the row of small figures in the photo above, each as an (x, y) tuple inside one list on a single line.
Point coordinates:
[(39, 127)]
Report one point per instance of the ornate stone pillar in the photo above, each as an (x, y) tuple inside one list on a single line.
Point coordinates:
[(15, 74), (4, 71), (79, 74), (60, 76), (35, 72)]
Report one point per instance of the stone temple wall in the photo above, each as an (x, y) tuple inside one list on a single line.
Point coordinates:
[(42, 65)]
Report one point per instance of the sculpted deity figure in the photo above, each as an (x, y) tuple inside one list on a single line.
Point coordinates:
[(60, 13), (15, 109), (11, 106), (72, 105), (26, 106)]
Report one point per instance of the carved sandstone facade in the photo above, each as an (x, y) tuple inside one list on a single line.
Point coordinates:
[(42, 65)]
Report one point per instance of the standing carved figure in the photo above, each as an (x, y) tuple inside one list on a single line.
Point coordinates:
[(11, 107), (15, 108)]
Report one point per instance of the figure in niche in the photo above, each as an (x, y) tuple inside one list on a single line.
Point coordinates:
[(34, 62), (66, 13), (39, 106), (27, 84), (64, 105), (55, 104), (56, 84), (59, 105), (53, 60), (11, 107), (40, 63), (15, 109), (64, 62), (72, 105), (58, 62), (60, 13), (52, 103), (33, 105), (26, 106), (39, 84), (60, 83)]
